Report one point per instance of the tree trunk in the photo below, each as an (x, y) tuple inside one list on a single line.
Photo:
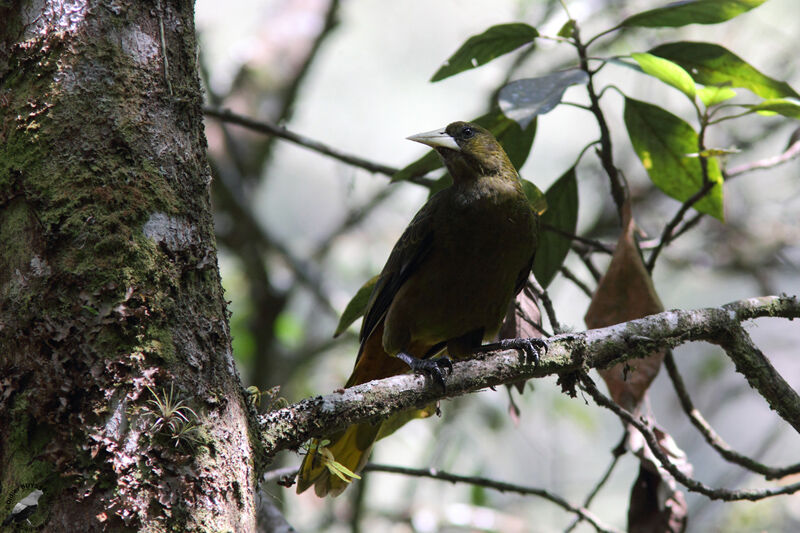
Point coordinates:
[(111, 306)]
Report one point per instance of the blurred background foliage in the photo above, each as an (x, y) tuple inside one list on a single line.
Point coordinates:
[(300, 232)]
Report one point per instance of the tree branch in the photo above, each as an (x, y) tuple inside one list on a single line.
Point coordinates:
[(645, 428), (501, 486), (711, 436), (290, 427), (271, 129)]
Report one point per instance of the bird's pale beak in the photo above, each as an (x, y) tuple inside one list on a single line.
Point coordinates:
[(436, 139)]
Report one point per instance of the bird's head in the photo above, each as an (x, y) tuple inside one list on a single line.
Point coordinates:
[(468, 150)]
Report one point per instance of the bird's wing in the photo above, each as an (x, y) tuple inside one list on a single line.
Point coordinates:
[(408, 254)]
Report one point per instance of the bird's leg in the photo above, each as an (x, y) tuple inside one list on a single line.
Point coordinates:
[(435, 367), (530, 347)]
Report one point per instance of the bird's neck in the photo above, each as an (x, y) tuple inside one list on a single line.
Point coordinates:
[(466, 169)]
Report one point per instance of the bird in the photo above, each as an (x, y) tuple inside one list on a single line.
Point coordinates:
[(446, 286)]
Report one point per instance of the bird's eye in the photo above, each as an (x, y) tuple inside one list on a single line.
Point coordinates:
[(467, 132)]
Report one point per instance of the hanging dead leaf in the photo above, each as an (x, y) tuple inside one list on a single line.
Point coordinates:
[(625, 293)]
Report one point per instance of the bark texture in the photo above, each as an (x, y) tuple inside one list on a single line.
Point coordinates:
[(110, 299)]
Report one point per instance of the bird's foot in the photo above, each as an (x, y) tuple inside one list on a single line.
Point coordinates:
[(436, 368), (530, 347)]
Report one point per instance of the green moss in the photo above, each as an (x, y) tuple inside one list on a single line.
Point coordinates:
[(24, 470)]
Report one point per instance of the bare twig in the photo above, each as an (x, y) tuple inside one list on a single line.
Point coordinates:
[(534, 290), (605, 151), (667, 235), (618, 452), (645, 428), (501, 486), (711, 436), (567, 273), (271, 129), (592, 243), (790, 153)]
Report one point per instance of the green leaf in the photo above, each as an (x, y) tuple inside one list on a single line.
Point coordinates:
[(568, 29), (523, 100), (691, 12), (777, 107), (562, 213), (482, 48), (712, 95), (711, 64), (662, 142), (355, 307), (668, 72), (535, 197)]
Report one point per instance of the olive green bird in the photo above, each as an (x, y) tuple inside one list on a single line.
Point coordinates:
[(446, 285)]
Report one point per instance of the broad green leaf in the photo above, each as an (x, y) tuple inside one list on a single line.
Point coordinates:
[(562, 213), (482, 48), (691, 12), (662, 142), (535, 197), (522, 100), (356, 307), (713, 95), (667, 71), (777, 107), (711, 64)]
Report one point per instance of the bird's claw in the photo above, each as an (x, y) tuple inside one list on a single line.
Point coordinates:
[(437, 368), (530, 347)]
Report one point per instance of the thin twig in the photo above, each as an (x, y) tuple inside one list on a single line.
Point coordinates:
[(279, 131), (605, 151), (667, 235), (597, 245), (585, 256), (532, 286), (644, 427), (567, 273), (790, 153), (618, 452), (501, 486), (711, 436)]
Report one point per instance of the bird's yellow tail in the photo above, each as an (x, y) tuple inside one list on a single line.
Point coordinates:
[(349, 448)]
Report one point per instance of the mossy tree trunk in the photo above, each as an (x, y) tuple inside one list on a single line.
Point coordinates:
[(110, 296)]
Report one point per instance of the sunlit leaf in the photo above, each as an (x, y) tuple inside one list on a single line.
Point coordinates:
[(712, 64), (777, 107), (667, 71), (662, 142), (482, 48), (522, 100), (562, 213), (691, 12), (356, 307), (713, 95)]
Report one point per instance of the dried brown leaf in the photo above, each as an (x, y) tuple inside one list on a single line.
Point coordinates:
[(626, 292)]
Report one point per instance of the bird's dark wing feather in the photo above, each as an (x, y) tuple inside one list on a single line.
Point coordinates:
[(408, 254)]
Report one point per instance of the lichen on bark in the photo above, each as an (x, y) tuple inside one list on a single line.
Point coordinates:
[(95, 306)]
